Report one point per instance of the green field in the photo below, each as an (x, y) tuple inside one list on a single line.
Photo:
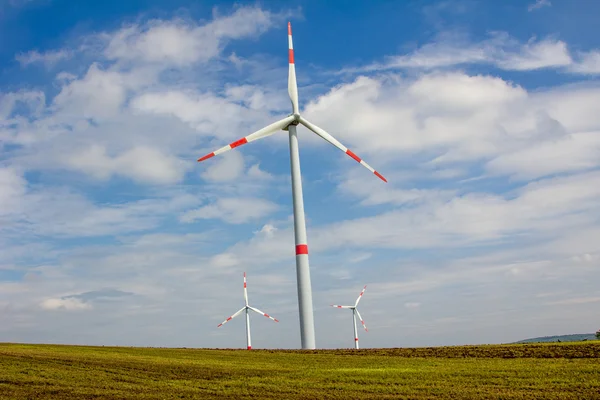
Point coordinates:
[(523, 371)]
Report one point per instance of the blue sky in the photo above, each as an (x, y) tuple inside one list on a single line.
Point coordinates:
[(481, 115)]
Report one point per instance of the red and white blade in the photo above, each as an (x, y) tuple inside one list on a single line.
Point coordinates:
[(245, 290), (261, 133), (361, 321), (360, 296), (327, 137), (263, 314), (230, 318), (292, 84), (335, 305)]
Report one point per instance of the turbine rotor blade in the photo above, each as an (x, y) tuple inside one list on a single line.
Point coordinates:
[(292, 84), (245, 290), (360, 296), (327, 137), (361, 321), (335, 305), (232, 317), (263, 313), (261, 133)]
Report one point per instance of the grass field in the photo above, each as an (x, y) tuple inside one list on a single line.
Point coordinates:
[(523, 371)]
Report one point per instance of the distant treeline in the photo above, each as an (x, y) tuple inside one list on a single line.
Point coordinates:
[(577, 337)]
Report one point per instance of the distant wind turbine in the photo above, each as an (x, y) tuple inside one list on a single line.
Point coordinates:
[(354, 314), (289, 123), (247, 308)]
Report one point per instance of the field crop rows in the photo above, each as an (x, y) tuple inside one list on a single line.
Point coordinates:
[(528, 371)]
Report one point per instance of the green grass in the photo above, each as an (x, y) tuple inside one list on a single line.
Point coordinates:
[(524, 371)]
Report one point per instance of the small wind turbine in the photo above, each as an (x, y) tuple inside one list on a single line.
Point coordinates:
[(247, 308), (289, 123), (354, 314)]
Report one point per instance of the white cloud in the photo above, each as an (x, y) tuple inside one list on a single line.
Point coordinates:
[(255, 172), (453, 119), (107, 121), (257, 98), (268, 230), (227, 167), (500, 50), (372, 192), (360, 257), (538, 4), (68, 304), (588, 63), (225, 260), (572, 153), (536, 55), (459, 92), (61, 212), (49, 58), (202, 111), (544, 209), (33, 101), (143, 164), (232, 210), (182, 43), (12, 189), (99, 94), (576, 301)]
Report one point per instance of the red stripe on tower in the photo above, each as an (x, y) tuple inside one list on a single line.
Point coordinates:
[(301, 249), (351, 154), (356, 339), (206, 157), (249, 347), (238, 143)]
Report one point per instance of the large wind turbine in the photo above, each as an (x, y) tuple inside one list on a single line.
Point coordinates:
[(354, 314), (289, 123), (246, 308)]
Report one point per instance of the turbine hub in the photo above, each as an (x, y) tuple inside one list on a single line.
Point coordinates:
[(296, 121)]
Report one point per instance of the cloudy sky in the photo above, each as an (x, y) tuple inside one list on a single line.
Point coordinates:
[(484, 118)]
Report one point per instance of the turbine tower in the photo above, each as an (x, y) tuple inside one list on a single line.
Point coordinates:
[(354, 314), (247, 308), (289, 123)]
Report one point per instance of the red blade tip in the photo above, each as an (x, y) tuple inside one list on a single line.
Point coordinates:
[(380, 176), (206, 157), (289, 28)]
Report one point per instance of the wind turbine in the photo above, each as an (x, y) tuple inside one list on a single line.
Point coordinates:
[(289, 123), (247, 308), (354, 314)]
